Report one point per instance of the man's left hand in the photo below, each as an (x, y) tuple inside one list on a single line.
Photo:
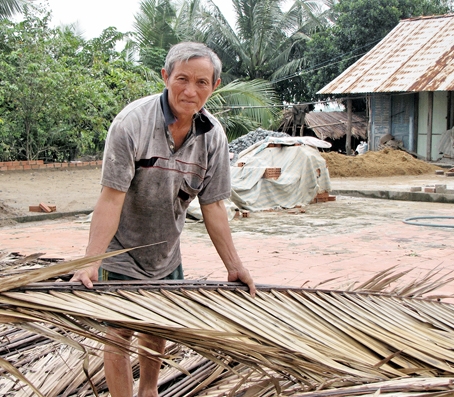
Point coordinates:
[(244, 276)]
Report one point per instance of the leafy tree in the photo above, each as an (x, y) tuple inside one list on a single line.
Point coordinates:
[(416, 8), (59, 93), (323, 64)]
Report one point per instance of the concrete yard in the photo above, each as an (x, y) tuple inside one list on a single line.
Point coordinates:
[(348, 240)]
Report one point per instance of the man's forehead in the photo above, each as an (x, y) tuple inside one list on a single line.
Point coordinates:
[(198, 67), (192, 61)]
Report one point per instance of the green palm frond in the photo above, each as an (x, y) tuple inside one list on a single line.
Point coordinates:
[(10, 7), (243, 106), (154, 24)]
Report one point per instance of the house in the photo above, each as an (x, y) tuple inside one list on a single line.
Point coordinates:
[(408, 79), (332, 127)]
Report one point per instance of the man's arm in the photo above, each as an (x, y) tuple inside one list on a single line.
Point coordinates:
[(217, 224), (104, 224)]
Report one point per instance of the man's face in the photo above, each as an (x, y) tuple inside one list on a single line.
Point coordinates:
[(190, 85)]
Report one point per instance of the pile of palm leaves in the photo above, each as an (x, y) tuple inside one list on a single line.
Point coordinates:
[(284, 342)]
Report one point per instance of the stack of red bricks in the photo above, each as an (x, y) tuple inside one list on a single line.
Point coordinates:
[(272, 173), (42, 207), (39, 165)]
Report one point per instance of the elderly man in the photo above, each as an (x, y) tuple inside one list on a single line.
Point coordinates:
[(161, 152)]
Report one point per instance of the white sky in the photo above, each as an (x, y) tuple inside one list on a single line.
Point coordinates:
[(93, 16)]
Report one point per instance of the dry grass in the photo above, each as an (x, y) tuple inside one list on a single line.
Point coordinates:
[(298, 342)]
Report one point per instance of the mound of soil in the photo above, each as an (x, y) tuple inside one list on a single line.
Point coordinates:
[(387, 162)]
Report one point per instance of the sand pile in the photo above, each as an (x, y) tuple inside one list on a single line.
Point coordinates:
[(387, 162)]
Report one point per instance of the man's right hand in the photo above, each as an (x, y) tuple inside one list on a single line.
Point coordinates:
[(86, 275)]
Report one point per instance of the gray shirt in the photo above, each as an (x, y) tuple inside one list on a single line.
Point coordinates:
[(139, 159)]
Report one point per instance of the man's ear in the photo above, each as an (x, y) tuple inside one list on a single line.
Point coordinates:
[(164, 75), (218, 81)]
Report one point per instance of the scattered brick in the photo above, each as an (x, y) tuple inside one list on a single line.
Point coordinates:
[(322, 195), (245, 214), (429, 189), (449, 173), (415, 189), (44, 207), (439, 172)]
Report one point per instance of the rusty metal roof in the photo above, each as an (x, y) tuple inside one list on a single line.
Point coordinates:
[(417, 55), (333, 125)]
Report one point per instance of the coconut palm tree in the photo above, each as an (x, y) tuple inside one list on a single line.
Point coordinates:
[(241, 106), (264, 41)]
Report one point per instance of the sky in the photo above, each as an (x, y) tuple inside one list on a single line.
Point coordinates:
[(93, 16)]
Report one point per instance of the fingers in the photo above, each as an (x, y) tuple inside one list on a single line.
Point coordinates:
[(252, 289), (250, 284), (83, 277), (245, 277)]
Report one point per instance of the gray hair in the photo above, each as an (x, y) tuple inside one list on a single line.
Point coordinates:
[(183, 52)]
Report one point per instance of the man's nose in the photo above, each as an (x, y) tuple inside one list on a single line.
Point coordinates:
[(190, 89)]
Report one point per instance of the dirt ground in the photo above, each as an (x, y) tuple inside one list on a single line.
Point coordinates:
[(76, 190)]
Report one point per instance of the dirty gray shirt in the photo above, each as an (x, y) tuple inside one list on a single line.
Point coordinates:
[(159, 182)]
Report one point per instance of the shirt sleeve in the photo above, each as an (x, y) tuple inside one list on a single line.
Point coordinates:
[(118, 166)]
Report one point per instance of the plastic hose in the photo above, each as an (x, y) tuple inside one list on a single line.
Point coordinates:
[(409, 221)]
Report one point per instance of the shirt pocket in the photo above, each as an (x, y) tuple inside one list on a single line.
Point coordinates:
[(186, 193)]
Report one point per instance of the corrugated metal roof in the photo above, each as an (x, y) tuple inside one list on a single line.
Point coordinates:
[(417, 55), (333, 125)]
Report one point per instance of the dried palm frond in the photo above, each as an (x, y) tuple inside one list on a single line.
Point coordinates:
[(292, 341)]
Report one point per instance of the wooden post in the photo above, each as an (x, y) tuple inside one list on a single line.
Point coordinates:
[(430, 106), (348, 136), (369, 121)]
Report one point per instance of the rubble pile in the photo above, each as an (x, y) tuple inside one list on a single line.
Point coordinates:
[(243, 142)]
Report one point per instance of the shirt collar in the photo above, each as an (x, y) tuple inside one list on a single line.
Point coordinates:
[(202, 122)]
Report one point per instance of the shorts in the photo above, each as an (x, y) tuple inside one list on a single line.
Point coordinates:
[(106, 275)]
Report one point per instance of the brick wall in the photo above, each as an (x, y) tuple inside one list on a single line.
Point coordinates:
[(39, 165)]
